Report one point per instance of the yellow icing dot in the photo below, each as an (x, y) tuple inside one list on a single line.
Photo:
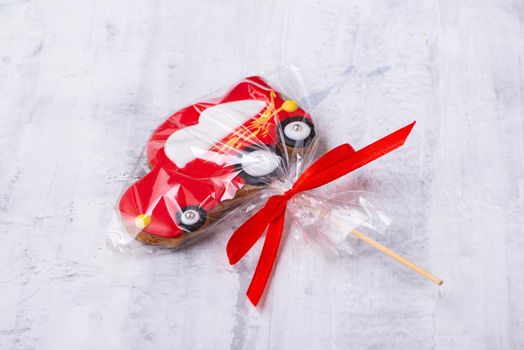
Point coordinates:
[(289, 106), (142, 220)]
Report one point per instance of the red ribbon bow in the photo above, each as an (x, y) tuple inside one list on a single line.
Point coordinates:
[(332, 165)]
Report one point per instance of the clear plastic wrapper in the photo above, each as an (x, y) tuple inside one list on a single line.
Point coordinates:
[(220, 158)]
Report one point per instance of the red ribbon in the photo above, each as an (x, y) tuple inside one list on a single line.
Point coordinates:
[(332, 165)]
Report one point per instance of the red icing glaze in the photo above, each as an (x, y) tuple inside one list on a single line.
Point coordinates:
[(200, 182)]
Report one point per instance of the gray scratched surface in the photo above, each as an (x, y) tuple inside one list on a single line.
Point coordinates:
[(82, 83)]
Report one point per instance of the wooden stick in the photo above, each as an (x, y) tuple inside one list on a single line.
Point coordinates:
[(426, 274)]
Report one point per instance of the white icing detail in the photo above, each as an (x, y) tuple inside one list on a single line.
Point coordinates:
[(190, 217), (260, 162), (297, 131), (214, 124)]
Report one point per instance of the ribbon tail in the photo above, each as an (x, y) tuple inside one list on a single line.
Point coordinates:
[(250, 231), (376, 150), (267, 259), (355, 160), (388, 143), (328, 160)]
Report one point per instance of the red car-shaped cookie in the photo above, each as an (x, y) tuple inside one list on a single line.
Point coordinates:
[(205, 153)]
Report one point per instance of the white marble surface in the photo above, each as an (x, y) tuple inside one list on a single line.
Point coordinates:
[(82, 83)]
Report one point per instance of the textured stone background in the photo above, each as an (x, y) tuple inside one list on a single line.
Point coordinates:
[(82, 83)]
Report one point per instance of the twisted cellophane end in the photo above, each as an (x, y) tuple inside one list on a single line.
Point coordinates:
[(325, 221)]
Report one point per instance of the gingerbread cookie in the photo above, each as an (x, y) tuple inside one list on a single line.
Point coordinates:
[(206, 156)]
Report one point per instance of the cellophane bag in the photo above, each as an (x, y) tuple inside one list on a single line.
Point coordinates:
[(219, 159)]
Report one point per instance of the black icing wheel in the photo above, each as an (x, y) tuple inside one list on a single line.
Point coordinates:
[(191, 218), (296, 132)]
